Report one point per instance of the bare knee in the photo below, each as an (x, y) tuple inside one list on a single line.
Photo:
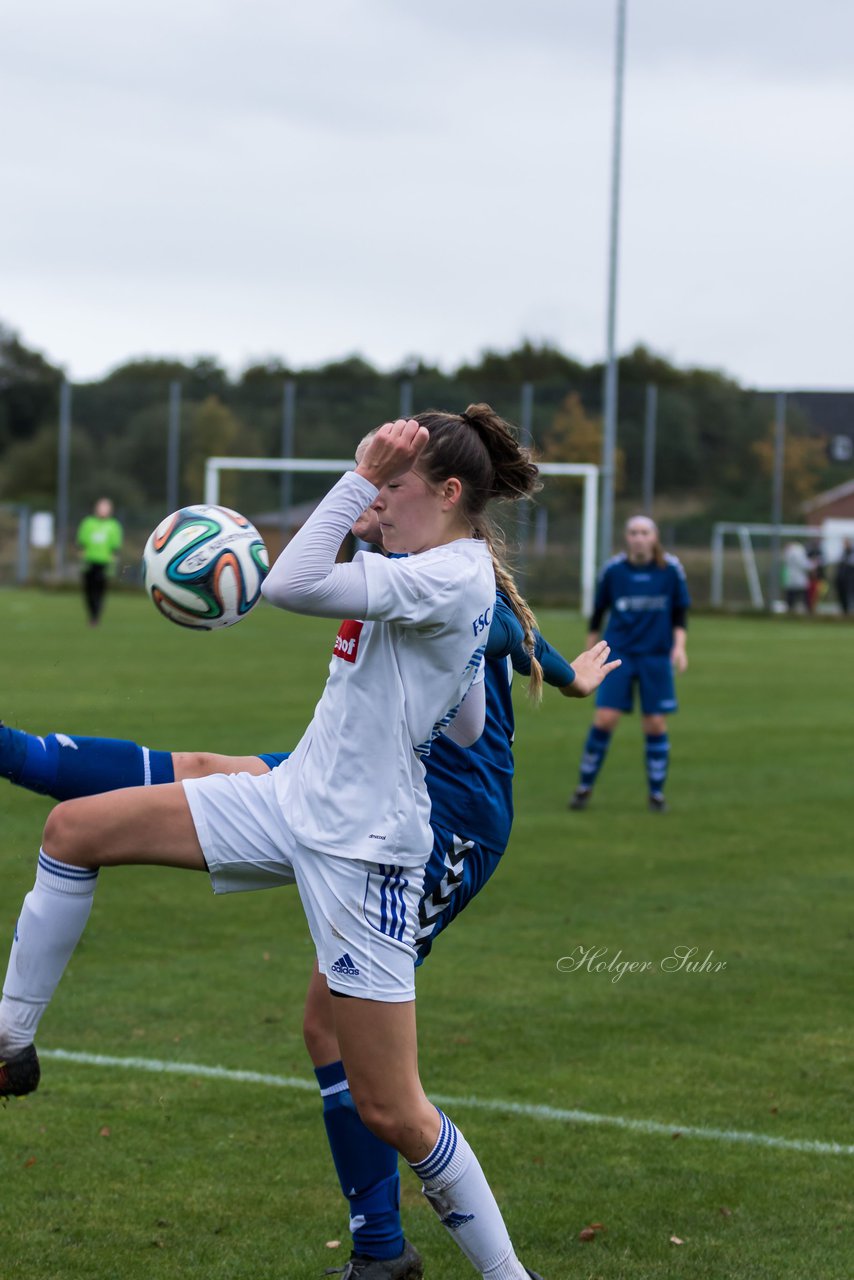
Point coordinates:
[(201, 764), (193, 764), (318, 1032), (606, 718), (381, 1116), (62, 837), (655, 724), (410, 1125)]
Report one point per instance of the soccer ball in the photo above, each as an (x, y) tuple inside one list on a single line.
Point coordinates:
[(203, 567)]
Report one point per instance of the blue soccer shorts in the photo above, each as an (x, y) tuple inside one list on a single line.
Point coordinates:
[(652, 673), (457, 870)]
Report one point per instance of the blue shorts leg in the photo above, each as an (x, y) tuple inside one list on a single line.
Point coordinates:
[(617, 691), (457, 870), (657, 687)]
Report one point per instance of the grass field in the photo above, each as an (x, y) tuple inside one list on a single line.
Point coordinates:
[(123, 1172)]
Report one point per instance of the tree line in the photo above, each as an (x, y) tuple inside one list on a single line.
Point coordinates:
[(714, 454)]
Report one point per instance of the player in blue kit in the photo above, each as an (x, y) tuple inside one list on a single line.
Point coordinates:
[(645, 594)]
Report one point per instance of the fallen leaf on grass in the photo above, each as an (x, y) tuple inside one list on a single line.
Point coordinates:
[(676, 1240), (333, 1244), (105, 1132), (28, 1164), (587, 1233), (727, 1213)]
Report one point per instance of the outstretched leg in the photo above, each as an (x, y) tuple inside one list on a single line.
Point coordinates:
[(67, 766), (130, 826)]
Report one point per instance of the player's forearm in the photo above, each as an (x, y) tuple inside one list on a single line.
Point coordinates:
[(306, 578)]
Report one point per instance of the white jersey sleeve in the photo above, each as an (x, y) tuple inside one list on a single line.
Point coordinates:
[(305, 578)]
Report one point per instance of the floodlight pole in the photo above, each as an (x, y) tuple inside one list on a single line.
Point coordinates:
[(609, 433), (649, 447), (777, 493), (63, 475), (289, 402), (173, 446)]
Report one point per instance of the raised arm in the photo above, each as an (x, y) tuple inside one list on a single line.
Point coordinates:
[(306, 578)]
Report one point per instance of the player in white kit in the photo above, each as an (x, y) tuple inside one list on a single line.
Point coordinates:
[(346, 816)]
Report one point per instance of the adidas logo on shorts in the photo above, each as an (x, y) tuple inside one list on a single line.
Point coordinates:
[(344, 967)]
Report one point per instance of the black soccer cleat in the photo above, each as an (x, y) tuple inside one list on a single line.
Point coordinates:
[(580, 798), (657, 803), (20, 1074), (406, 1266)]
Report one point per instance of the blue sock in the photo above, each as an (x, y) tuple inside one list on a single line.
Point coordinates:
[(64, 767), (657, 760), (366, 1168), (593, 757)]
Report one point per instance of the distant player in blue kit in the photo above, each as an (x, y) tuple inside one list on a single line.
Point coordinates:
[(644, 592)]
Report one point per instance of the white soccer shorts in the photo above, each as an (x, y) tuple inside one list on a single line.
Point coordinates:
[(363, 917)]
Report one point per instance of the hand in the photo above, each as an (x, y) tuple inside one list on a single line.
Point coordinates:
[(591, 668), (392, 451), (367, 528), (679, 658)]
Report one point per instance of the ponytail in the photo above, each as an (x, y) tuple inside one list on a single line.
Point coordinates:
[(506, 584), (481, 450)]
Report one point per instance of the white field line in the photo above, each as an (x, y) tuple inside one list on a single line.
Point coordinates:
[(494, 1105)]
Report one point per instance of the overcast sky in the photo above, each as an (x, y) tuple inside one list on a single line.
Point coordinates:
[(261, 178)]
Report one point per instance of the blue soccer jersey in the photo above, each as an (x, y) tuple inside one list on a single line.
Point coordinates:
[(471, 788), (640, 600)]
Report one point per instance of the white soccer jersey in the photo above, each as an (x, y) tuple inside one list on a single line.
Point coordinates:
[(354, 786)]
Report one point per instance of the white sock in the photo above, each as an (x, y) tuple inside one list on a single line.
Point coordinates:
[(52, 919), (456, 1187)]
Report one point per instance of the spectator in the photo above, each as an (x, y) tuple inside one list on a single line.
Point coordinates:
[(844, 577), (815, 586), (796, 575)]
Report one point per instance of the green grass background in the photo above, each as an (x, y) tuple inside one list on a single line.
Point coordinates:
[(197, 1177)]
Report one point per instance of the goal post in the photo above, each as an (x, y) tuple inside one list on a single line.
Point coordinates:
[(746, 533), (588, 473)]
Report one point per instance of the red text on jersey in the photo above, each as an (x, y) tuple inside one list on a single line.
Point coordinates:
[(347, 640)]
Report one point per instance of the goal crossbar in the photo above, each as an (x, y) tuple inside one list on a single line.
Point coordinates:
[(587, 472)]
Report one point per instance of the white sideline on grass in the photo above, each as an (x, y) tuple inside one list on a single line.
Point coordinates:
[(496, 1106)]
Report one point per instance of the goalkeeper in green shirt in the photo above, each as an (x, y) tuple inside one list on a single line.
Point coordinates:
[(99, 539)]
